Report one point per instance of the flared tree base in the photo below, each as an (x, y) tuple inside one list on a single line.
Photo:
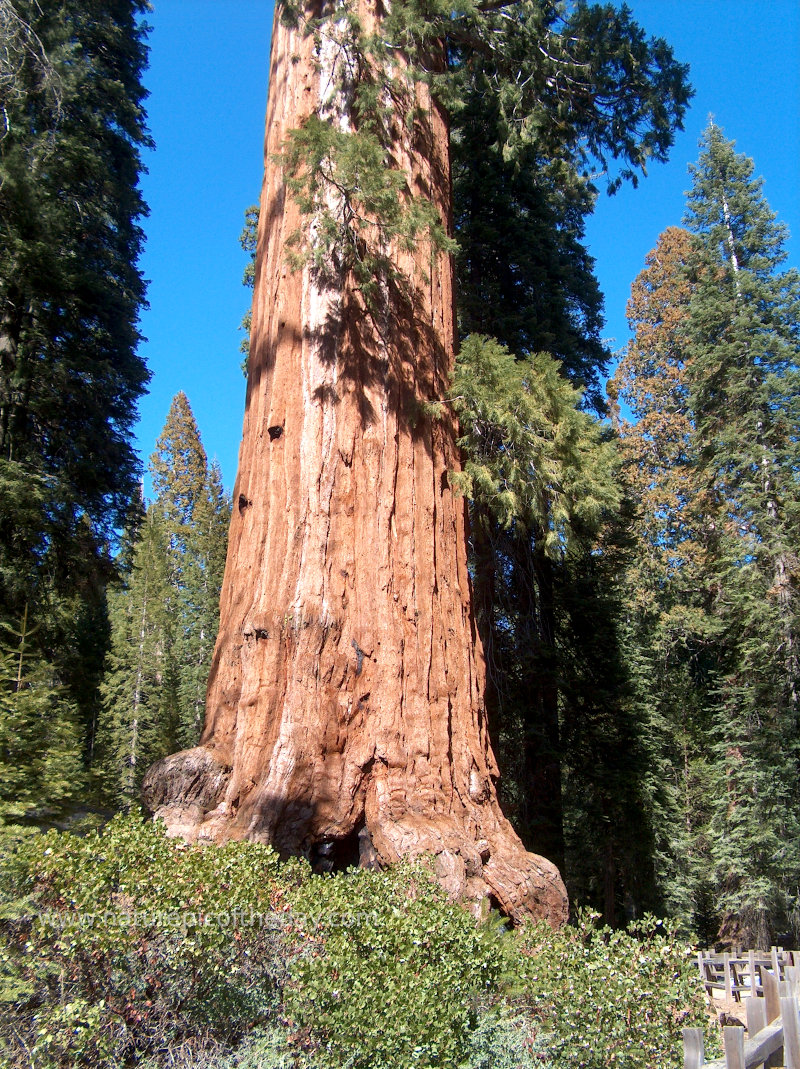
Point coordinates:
[(477, 856)]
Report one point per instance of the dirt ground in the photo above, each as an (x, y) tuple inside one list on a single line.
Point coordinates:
[(728, 1006)]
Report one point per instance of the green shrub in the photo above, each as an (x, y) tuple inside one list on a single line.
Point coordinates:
[(506, 1038), (129, 941), (392, 975), (612, 998), (130, 948)]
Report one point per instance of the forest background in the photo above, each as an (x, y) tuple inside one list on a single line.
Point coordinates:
[(207, 79), (670, 727)]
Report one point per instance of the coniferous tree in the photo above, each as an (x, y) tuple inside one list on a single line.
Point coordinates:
[(611, 813), (712, 379), (198, 601), (521, 194), (196, 512), (71, 132), (671, 635), (164, 620), (41, 760), (743, 336), (523, 275), (140, 690), (538, 474)]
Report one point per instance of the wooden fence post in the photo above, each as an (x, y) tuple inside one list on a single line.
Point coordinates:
[(726, 966), (756, 1012), (733, 1044), (791, 1032), (772, 1006), (693, 1048), (701, 965), (771, 996)]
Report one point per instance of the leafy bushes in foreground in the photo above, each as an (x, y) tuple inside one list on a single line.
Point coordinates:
[(396, 975), (129, 948), (612, 998), (127, 943)]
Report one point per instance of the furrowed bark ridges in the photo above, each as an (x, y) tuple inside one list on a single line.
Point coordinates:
[(352, 540)]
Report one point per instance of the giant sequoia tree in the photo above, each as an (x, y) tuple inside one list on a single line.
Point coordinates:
[(345, 712)]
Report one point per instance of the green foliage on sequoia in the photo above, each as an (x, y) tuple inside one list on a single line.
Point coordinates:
[(127, 947), (370, 208), (248, 239), (583, 86)]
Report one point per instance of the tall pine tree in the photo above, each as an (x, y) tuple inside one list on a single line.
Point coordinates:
[(671, 637), (712, 378), (743, 336), (71, 133), (164, 620), (196, 512)]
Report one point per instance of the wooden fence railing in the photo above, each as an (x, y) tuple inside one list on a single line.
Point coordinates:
[(736, 975), (773, 1028)]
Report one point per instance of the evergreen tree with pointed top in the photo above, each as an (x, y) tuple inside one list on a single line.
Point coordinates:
[(672, 634), (713, 381), (744, 340), (196, 511), (165, 618)]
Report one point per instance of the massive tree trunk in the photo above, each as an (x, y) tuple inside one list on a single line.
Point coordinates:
[(345, 715)]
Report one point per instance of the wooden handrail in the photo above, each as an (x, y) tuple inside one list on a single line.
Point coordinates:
[(781, 1031), (740, 974)]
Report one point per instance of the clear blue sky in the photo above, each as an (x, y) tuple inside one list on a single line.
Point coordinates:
[(208, 88)]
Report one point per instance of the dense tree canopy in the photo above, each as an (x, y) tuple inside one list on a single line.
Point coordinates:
[(713, 380), (70, 293)]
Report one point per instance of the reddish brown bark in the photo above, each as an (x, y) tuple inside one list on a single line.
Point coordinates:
[(345, 712)]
